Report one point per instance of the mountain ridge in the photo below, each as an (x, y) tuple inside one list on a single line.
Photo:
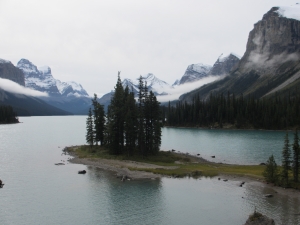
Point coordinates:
[(271, 60)]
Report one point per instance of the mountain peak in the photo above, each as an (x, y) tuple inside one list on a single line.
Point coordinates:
[(223, 57), (4, 61), (42, 80), (195, 72)]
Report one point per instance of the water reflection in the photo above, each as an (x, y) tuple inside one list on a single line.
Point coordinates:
[(38, 192), (282, 208), (129, 202)]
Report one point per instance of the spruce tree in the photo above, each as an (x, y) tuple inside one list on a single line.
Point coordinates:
[(271, 171), (115, 120), (286, 161), (296, 157), (90, 129), (141, 125), (99, 121), (131, 124)]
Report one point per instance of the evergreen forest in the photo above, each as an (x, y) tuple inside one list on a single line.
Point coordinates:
[(129, 127), (7, 115), (220, 111)]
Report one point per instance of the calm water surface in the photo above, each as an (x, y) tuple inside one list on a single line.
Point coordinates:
[(229, 146), (38, 192)]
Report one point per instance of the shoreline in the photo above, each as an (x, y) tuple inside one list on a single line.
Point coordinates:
[(227, 128), (120, 167), (133, 170)]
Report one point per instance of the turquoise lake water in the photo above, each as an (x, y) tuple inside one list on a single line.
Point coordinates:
[(38, 192)]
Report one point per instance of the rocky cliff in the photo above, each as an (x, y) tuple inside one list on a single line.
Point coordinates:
[(224, 64), (10, 72), (271, 61)]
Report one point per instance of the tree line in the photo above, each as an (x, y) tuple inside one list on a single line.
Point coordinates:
[(289, 166), (242, 112), (129, 127), (7, 115)]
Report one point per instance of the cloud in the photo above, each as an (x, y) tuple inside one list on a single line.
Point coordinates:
[(177, 91), (262, 58), (10, 86), (266, 60)]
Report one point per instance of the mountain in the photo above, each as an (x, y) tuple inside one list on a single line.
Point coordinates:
[(154, 84), (224, 64), (10, 72), (270, 63), (194, 72), (41, 79), (68, 96)]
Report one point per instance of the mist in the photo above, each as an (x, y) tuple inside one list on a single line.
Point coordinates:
[(12, 87), (262, 58), (177, 91)]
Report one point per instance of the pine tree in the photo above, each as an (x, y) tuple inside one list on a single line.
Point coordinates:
[(296, 157), (286, 161), (271, 171), (89, 129)]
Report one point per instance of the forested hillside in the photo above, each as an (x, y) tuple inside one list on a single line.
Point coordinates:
[(239, 112)]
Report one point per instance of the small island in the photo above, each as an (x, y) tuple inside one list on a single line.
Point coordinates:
[(7, 115), (169, 163)]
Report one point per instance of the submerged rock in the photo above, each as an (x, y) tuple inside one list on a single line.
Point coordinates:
[(268, 195), (258, 219)]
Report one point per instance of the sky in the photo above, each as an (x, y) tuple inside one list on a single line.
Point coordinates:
[(90, 41)]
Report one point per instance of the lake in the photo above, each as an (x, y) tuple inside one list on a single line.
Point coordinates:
[(38, 192)]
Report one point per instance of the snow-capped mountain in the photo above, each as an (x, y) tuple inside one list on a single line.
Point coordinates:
[(154, 84), (41, 79), (157, 86), (224, 64), (195, 72)]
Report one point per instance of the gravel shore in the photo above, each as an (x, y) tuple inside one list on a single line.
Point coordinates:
[(121, 167)]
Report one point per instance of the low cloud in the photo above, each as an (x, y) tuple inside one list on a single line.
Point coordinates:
[(264, 61), (177, 91), (262, 58), (12, 87)]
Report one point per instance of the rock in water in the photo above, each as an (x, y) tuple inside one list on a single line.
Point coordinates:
[(258, 219), (82, 172)]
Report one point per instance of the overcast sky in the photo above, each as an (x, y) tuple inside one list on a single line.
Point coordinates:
[(89, 41)]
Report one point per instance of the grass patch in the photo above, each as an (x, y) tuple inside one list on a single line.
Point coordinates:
[(187, 166)]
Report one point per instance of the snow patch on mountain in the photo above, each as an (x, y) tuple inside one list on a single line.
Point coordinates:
[(4, 61), (157, 86), (291, 12), (223, 57), (195, 72)]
